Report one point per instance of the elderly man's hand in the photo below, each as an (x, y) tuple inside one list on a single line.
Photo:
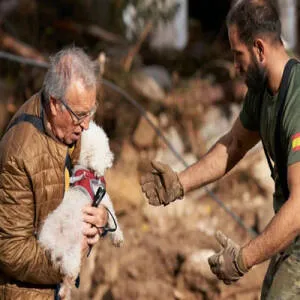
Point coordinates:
[(95, 218), (162, 185), (228, 264)]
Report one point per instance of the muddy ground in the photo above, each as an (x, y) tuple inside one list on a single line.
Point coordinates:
[(166, 248)]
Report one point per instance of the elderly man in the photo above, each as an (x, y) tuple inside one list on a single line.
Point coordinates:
[(270, 113), (42, 140)]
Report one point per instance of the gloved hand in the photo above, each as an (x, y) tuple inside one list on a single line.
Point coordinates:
[(228, 264), (162, 185)]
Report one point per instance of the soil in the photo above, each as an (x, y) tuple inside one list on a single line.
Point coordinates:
[(160, 242), (166, 248)]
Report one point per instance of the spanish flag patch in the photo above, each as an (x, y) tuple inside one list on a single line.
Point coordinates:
[(296, 142)]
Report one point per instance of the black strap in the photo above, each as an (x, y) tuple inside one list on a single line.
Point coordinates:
[(37, 122), (68, 163), (280, 155), (33, 285)]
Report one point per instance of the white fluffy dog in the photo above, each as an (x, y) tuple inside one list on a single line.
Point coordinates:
[(61, 234)]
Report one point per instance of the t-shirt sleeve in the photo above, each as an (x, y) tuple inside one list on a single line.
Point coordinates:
[(291, 126), (250, 112)]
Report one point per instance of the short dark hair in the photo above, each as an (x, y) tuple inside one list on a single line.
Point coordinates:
[(255, 18)]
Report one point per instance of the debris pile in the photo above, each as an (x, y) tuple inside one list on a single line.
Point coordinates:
[(155, 104)]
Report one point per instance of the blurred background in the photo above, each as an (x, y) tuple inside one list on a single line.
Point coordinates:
[(167, 91)]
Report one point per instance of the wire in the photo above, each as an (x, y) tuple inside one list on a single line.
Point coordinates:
[(143, 113), (176, 154), (23, 60)]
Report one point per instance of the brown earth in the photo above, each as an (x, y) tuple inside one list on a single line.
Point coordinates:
[(159, 257), (166, 248)]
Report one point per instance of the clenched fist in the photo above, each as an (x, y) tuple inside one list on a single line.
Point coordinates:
[(162, 185)]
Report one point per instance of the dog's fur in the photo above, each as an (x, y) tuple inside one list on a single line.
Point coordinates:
[(61, 233)]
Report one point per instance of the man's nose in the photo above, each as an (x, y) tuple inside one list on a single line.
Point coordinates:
[(85, 123)]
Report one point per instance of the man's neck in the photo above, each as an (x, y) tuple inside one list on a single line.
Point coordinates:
[(275, 71)]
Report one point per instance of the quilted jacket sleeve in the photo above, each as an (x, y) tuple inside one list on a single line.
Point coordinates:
[(21, 257)]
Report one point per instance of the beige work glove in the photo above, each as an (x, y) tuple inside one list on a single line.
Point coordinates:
[(228, 264), (162, 185)]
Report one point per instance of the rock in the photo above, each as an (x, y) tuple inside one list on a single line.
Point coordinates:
[(165, 155), (123, 180), (178, 295), (256, 166), (152, 82), (101, 291), (165, 218), (123, 186), (265, 214), (174, 140), (197, 264), (192, 97), (160, 75), (144, 135), (152, 288), (147, 87), (173, 32), (217, 122), (249, 218), (261, 172), (208, 225), (197, 276)]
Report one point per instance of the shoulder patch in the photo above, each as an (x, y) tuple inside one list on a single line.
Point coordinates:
[(296, 142)]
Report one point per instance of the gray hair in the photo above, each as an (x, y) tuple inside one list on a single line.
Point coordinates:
[(66, 66)]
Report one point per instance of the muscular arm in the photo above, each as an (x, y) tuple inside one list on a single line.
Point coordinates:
[(282, 229), (222, 157)]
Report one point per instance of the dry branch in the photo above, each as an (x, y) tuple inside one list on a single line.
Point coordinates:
[(10, 43), (136, 48), (92, 30)]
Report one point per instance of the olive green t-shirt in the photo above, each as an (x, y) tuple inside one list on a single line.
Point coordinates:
[(290, 129)]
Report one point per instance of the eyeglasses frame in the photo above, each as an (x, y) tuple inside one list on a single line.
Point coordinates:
[(78, 120)]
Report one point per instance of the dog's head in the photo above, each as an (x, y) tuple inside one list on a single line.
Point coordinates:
[(95, 153)]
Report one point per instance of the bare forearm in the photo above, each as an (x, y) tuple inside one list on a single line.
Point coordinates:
[(222, 157), (281, 231)]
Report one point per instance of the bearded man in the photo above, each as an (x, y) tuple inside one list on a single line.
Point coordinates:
[(271, 114)]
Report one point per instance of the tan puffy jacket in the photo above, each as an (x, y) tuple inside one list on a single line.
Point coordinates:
[(32, 182)]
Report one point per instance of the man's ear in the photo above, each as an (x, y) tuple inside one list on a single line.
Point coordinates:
[(53, 105), (259, 49)]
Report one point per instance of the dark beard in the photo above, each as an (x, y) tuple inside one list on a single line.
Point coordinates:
[(256, 77)]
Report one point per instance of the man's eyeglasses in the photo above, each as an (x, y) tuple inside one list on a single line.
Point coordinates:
[(79, 118)]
